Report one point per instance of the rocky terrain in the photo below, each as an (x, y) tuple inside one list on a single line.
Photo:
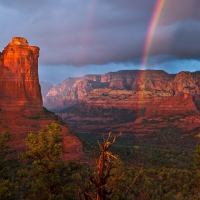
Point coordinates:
[(19, 84), (134, 102), (62, 95), (154, 82), (21, 109)]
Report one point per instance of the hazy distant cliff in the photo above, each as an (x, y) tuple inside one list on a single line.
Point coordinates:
[(147, 83), (45, 87)]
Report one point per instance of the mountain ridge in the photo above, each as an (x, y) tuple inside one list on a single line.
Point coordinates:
[(153, 101), (137, 80)]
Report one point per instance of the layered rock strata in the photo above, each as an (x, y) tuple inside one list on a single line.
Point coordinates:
[(139, 103), (19, 83), (73, 90), (144, 87), (21, 109)]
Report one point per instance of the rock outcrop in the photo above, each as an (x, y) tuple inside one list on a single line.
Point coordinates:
[(21, 109), (62, 95), (19, 83)]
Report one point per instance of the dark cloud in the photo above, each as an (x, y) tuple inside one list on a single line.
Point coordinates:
[(78, 33), (56, 74)]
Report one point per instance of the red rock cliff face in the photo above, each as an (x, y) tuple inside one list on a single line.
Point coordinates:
[(155, 91), (21, 110), (19, 84), (185, 83), (147, 86), (66, 94)]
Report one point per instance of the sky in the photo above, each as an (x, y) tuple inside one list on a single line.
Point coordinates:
[(79, 37)]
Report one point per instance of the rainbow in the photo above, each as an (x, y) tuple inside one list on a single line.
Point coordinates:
[(90, 14), (147, 47), (152, 28)]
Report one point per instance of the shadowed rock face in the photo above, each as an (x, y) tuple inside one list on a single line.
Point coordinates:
[(21, 110), (19, 83), (62, 95)]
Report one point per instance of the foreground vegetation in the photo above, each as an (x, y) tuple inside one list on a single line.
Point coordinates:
[(145, 173)]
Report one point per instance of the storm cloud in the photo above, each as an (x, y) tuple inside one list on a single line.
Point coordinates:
[(79, 37), (79, 33)]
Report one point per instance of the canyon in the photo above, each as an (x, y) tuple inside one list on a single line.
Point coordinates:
[(138, 103), (21, 106), (146, 84)]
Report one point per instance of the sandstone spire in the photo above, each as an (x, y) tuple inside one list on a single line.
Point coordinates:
[(21, 108), (19, 83)]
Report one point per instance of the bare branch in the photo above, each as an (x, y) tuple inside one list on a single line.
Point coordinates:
[(134, 180)]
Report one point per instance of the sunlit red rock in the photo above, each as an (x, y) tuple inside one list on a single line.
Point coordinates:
[(148, 101), (21, 109), (185, 82), (107, 90), (73, 90), (171, 105), (19, 83)]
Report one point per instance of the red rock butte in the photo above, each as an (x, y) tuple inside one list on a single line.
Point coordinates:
[(21, 109), (19, 83)]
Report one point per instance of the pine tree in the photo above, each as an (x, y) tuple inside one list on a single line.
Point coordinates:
[(8, 167), (49, 174)]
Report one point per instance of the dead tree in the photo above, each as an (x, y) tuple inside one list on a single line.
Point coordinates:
[(104, 164), (98, 187)]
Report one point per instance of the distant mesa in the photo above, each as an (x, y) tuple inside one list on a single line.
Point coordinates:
[(155, 86)]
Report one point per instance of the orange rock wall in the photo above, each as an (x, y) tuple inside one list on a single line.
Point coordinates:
[(21, 109), (128, 89), (19, 83)]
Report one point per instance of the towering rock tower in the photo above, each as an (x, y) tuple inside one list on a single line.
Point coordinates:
[(19, 83), (21, 110)]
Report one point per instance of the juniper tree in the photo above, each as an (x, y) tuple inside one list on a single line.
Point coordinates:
[(49, 174), (8, 167)]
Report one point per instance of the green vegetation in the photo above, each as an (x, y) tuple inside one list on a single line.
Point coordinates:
[(152, 171), (100, 184), (8, 167), (47, 170), (113, 115)]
